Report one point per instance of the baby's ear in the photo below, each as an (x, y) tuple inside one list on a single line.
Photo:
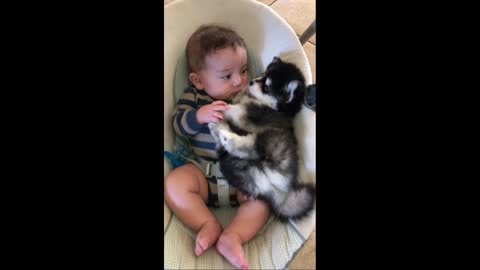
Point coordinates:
[(195, 79)]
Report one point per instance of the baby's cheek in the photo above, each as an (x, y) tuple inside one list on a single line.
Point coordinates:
[(244, 81)]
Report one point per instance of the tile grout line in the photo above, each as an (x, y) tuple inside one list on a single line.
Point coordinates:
[(307, 41), (290, 25)]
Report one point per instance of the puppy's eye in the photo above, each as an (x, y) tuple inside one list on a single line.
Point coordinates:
[(265, 88)]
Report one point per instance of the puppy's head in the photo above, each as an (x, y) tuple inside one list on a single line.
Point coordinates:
[(282, 87)]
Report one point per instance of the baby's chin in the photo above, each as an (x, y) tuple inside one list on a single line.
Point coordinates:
[(235, 94)]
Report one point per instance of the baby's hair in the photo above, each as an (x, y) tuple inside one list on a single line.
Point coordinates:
[(206, 40)]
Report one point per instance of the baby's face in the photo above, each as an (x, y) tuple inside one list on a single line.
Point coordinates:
[(225, 73)]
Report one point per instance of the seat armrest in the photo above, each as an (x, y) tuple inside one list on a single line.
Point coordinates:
[(167, 213)]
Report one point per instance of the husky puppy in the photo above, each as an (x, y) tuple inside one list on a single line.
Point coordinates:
[(256, 145)]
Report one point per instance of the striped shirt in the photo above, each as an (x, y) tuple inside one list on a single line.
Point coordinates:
[(186, 125)]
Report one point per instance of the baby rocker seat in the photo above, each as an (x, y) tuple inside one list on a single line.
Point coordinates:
[(266, 35)]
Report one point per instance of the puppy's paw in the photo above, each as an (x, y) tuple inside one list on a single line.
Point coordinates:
[(214, 130), (212, 125), (225, 139), (234, 111)]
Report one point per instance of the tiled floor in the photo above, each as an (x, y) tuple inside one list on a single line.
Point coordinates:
[(299, 14)]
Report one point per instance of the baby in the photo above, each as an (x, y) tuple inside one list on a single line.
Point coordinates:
[(217, 61)]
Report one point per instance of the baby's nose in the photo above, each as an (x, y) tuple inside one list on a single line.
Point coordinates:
[(251, 83)]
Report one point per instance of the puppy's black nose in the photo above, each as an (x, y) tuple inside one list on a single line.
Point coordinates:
[(251, 83)]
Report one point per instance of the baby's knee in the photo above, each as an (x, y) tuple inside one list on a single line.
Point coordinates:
[(184, 180), (177, 182), (170, 185)]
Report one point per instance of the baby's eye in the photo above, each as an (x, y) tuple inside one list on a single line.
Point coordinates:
[(227, 77), (245, 70)]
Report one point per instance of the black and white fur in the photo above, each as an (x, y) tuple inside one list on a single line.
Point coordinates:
[(256, 145)]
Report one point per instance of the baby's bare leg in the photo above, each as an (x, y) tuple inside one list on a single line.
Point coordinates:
[(186, 192), (251, 216)]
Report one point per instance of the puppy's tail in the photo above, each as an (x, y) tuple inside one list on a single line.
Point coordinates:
[(299, 201)]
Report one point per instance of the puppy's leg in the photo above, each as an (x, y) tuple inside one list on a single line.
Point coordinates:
[(216, 127), (213, 130), (235, 113), (236, 145)]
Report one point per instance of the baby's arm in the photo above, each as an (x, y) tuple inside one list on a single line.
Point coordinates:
[(211, 112), (189, 117), (184, 119)]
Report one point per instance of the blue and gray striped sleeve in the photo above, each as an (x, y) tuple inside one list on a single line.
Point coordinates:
[(184, 115)]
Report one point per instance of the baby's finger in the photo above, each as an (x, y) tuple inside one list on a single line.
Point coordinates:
[(219, 102), (215, 120), (218, 115), (220, 107)]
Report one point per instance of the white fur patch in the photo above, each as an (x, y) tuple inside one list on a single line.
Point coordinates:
[(268, 82), (292, 86), (269, 180), (234, 112), (261, 181), (262, 98), (278, 180), (284, 163), (237, 114)]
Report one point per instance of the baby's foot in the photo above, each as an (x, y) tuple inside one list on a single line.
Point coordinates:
[(206, 236), (230, 246)]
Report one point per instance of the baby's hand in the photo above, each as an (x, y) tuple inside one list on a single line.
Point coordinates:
[(211, 112)]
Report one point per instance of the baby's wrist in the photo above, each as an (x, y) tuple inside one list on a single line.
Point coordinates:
[(191, 120), (199, 118)]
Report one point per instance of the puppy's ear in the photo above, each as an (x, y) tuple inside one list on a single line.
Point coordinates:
[(291, 88), (276, 60), (272, 64)]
